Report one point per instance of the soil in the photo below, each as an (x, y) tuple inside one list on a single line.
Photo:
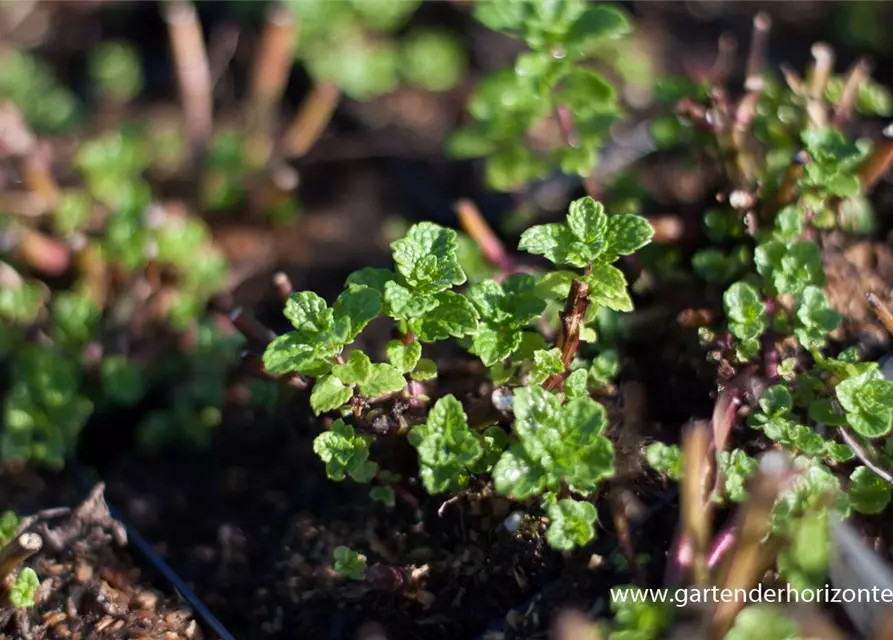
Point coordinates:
[(92, 586), (251, 522)]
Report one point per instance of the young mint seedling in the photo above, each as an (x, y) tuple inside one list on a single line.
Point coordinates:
[(24, 589), (867, 400), (320, 332), (593, 240), (447, 448), (557, 444), (345, 453), (571, 524), (349, 563)]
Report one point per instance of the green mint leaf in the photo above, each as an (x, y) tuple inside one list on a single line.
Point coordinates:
[(839, 452), (309, 314), (745, 311), (24, 589), (608, 288), (454, 317), (665, 458), (828, 146), (494, 440), (517, 476), (556, 243), (555, 285), (487, 297), (373, 278), (626, 233), (9, 523), (349, 563), (404, 357), (588, 95), (545, 364), (815, 318), (344, 453), (559, 443), (447, 448), (329, 393), (868, 493), (576, 384), (493, 343), (605, 367), (789, 224), (427, 259), (572, 524), (514, 302), (805, 494), (358, 304), (868, 402), (822, 410), (383, 494), (500, 16), (790, 268), (805, 440), (425, 370), (293, 353), (588, 221), (403, 304), (597, 24), (383, 378), (737, 467), (776, 401), (356, 370)]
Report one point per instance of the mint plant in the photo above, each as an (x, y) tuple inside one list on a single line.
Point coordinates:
[(349, 563), (791, 175), (24, 589), (556, 449), (358, 46), (553, 82)]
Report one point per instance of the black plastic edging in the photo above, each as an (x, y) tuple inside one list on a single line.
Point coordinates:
[(201, 611)]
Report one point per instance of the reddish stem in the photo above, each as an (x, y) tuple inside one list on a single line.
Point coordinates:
[(571, 323)]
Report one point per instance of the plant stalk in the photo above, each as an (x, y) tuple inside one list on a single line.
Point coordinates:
[(881, 311), (756, 58), (569, 335), (269, 77), (855, 79), (17, 550), (876, 165), (308, 125), (193, 72), (695, 449), (476, 227), (273, 62), (819, 75), (864, 457), (283, 286), (745, 563)]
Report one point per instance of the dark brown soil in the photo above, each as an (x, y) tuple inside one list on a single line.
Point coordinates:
[(91, 586)]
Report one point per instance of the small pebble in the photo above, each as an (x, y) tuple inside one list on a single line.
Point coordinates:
[(513, 522)]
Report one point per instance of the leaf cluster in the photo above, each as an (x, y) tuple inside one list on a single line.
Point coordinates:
[(509, 103)]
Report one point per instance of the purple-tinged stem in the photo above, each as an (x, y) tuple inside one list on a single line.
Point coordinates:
[(723, 541)]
